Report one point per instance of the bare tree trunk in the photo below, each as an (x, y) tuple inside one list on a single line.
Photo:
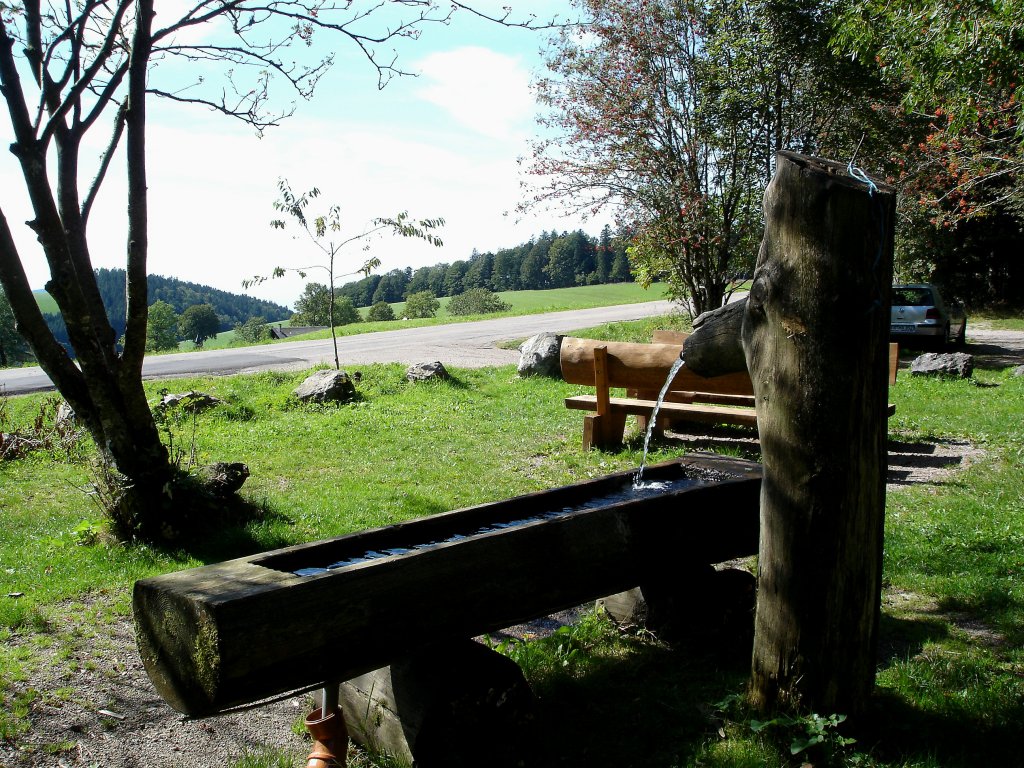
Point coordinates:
[(815, 335), (105, 388)]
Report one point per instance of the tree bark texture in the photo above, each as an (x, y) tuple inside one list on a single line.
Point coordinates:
[(815, 335), (105, 387)]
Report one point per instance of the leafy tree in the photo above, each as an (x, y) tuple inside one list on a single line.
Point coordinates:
[(453, 278), (12, 346), (532, 270), (311, 308), (477, 301), (253, 330), (345, 312), (380, 311), (316, 229), (72, 72), (421, 304), (955, 71), (505, 270), (392, 287), (161, 327), (478, 273), (199, 323), (670, 111)]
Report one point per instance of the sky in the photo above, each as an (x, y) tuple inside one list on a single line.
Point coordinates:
[(446, 143)]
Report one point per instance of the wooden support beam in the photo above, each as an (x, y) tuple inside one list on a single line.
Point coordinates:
[(443, 706)]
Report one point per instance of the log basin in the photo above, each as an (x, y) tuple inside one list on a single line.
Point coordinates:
[(236, 632)]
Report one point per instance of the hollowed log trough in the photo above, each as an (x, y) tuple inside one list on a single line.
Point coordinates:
[(236, 632)]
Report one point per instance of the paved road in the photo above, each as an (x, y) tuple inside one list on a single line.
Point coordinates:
[(468, 345)]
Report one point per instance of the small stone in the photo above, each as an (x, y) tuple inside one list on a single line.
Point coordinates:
[(1018, 371), (427, 371), (539, 355), (954, 364), (326, 386), (191, 401), (225, 478)]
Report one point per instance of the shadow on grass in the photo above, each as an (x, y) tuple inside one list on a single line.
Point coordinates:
[(947, 724), (902, 638), (656, 709), (235, 527), (897, 731)]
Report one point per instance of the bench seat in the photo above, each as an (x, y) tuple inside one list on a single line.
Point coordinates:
[(641, 370), (699, 412), (704, 413)]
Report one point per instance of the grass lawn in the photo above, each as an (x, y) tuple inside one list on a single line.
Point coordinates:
[(951, 674)]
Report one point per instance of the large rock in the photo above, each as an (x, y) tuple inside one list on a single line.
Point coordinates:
[(538, 355), (427, 371), (326, 386), (953, 364)]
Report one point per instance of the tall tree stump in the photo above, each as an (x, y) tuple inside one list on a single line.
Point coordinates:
[(815, 336)]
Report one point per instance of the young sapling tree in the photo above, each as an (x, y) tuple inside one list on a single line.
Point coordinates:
[(317, 229)]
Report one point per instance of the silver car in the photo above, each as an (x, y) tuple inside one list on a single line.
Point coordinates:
[(919, 313)]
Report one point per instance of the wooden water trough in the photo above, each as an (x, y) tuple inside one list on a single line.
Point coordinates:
[(229, 634)]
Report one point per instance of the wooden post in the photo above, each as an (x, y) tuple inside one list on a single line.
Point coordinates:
[(602, 429), (444, 706), (815, 335)]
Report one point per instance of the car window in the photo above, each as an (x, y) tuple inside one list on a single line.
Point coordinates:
[(912, 297)]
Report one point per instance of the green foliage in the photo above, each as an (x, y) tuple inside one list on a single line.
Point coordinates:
[(265, 758), (253, 330), (345, 312), (199, 323), (161, 327), (477, 301), (671, 112), (421, 304), (380, 311), (954, 75), (340, 311), (816, 733)]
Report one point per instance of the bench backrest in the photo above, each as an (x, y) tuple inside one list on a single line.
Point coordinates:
[(646, 366)]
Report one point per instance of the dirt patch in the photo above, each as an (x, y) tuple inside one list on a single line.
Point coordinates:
[(94, 706)]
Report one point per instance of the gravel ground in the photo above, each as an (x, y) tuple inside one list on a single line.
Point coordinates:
[(95, 706)]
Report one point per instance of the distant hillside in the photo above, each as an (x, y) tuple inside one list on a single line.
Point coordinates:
[(231, 308)]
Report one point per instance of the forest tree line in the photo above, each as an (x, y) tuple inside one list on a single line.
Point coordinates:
[(550, 260), (232, 309)]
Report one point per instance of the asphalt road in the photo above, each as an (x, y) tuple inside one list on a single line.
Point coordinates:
[(467, 345)]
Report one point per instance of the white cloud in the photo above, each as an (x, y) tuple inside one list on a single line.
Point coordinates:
[(485, 91)]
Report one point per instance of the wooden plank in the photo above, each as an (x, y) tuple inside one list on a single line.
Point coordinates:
[(236, 632), (601, 379), (669, 337), (709, 414)]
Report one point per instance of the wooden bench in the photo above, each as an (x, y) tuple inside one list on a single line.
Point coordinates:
[(641, 369)]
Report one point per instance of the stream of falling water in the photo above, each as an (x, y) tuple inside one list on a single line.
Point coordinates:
[(638, 478)]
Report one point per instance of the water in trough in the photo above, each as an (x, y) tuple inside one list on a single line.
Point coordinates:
[(628, 491)]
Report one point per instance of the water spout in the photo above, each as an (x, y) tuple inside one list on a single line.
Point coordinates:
[(638, 479)]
